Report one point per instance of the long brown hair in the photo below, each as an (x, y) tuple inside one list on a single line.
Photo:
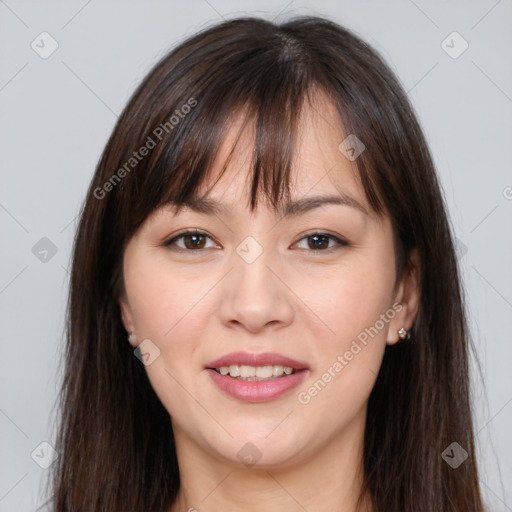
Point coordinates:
[(115, 440)]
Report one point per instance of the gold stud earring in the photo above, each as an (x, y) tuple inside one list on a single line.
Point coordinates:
[(404, 334)]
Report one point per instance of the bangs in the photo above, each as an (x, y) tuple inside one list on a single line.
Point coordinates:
[(274, 123), (188, 103), (270, 100)]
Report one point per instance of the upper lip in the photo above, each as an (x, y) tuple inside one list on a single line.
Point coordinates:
[(263, 359)]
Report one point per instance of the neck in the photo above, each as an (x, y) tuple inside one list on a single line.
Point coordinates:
[(329, 480)]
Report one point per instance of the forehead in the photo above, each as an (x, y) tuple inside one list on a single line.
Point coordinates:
[(318, 166)]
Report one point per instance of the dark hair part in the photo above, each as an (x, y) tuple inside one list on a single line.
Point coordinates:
[(115, 440)]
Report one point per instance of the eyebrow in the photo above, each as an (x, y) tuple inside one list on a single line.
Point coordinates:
[(291, 209)]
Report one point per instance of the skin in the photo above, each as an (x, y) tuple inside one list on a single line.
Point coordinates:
[(304, 303)]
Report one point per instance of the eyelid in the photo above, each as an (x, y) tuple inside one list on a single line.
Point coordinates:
[(340, 241), (171, 240)]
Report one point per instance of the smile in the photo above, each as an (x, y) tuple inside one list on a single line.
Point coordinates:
[(256, 377), (255, 373)]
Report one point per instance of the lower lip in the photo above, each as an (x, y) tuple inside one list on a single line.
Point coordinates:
[(256, 391)]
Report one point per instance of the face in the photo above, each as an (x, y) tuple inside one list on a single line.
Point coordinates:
[(311, 292)]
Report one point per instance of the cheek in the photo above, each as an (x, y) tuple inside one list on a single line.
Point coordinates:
[(350, 300), (163, 301), (355, 305), (167, 309)]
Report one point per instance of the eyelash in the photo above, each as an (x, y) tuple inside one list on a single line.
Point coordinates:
[(340, 242)]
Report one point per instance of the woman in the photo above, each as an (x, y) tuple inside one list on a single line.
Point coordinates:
[(265, 307)]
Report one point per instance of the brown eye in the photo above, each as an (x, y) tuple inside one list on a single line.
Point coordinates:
[(318, 242), (192, 241), (322, 241)]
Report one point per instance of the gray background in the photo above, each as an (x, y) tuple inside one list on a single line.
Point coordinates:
[(57, 113)]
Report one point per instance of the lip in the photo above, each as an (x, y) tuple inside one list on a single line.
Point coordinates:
[(256, 391), (263, 359)]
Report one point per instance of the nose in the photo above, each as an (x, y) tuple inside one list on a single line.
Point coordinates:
[(255, 296)]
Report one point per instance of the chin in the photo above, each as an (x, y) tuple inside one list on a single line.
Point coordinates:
[(261, 451)]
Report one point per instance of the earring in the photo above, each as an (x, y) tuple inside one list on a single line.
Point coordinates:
[(132, 338), (404, 334)]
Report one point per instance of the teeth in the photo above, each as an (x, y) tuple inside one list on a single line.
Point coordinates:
[(245, 372), (264, 372)]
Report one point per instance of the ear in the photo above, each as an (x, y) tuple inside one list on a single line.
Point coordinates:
[(127, 317), (408, 296)]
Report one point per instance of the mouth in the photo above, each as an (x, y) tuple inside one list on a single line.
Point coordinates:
[(255, 373), (256, 377)]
